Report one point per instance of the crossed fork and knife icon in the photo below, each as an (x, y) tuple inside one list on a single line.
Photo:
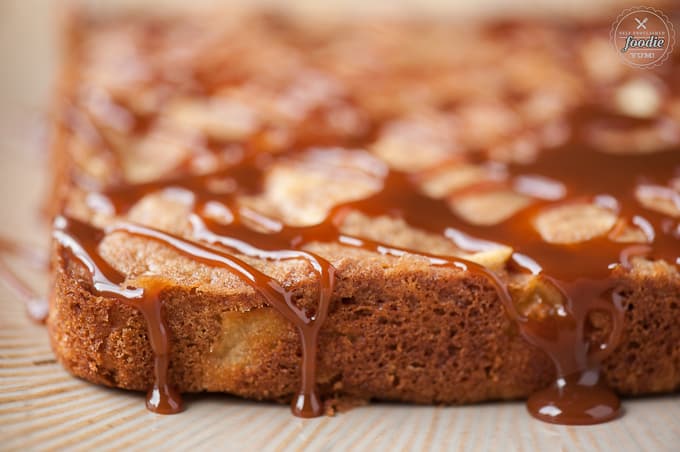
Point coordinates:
[(641, 23)]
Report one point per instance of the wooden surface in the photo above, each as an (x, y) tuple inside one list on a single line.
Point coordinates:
[(42, 407)]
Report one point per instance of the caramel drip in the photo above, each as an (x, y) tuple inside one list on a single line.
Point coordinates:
[(107, 281), (36, 306), (83, 241)]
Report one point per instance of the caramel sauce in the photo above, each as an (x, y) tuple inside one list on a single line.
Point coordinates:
[(107, 281), (589, 275), (36, 306)]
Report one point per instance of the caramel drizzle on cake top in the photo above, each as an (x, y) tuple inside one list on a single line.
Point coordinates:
[(586, 274)]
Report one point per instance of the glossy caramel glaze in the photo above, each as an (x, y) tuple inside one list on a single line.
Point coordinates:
[(583, 276)]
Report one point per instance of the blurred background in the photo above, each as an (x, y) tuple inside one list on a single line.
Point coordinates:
[(29, 35)]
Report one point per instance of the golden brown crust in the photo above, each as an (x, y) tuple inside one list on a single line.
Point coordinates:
[(443, 337)]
